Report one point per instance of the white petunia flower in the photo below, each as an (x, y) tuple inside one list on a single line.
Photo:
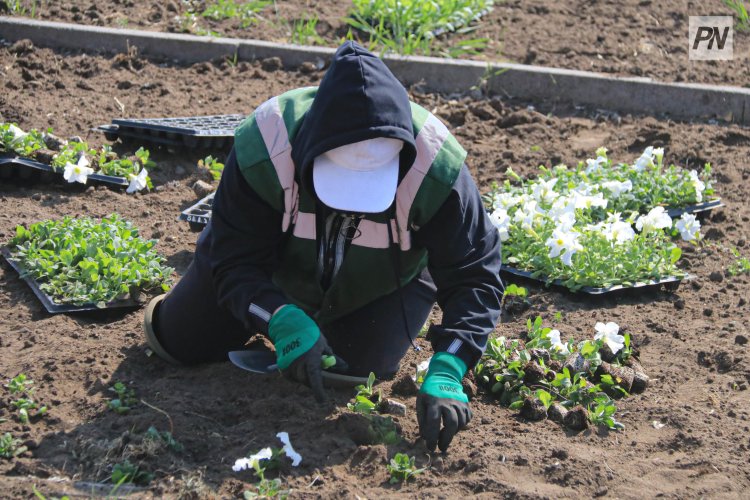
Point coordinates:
[(137, 182), (295, 457), (501, 221), (698, 185), (557, 345), (587, 202), (544, 191), (609, 333), (646, 160), (505, 200), (252, 461), (527, 214), (659, 154), (619, 232), (18, 134), (78, 172), (616, 188), (565, 243), (421, 371), (689, 227), (656, 219), (594, 165)]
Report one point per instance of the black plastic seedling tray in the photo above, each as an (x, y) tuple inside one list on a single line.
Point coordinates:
[(53, 307), (669, 284), (699, 208), (27, 169), (198, 214), (214, 131)]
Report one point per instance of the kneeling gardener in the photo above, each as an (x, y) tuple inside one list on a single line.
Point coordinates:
[(343, 213)]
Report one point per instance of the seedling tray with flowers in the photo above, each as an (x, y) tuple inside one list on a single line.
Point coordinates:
[(574, 384), (83, 265), (670, 284), (50, 157), (199, 214), (575, 228), (215, 131)]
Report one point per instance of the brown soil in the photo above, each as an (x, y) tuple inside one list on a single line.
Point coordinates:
[(699, 371), (632, 37)]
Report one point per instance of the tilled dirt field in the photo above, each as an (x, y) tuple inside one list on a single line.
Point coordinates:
[(630, 37), (693, 342)]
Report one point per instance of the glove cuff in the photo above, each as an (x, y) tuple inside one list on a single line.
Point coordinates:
[(443, 379), (293, 333)]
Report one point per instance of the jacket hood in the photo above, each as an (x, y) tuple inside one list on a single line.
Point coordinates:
[(358, 98)]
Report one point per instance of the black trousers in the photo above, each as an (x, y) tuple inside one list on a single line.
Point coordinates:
[(193, 328)]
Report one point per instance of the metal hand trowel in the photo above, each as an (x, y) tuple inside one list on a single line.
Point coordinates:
[(264, 362)]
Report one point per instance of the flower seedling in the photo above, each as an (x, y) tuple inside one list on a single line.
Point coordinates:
[(80, 261), (21, 386), (213, 165), (164, 437), (126, 472), (367, 400), (401, 468), (10, 447), (741, 264), (125, 399), (515, 299)]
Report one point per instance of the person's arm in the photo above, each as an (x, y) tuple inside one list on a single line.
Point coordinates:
[(464, 260), (246, 235), (463, 250)]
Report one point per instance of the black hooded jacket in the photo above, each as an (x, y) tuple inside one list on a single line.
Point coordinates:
[(358, 99)]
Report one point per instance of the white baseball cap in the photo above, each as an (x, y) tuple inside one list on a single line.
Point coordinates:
[(359, 177)]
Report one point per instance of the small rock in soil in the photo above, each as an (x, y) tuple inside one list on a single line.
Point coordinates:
[(36, 196), (724, 361), (557, 413), (307, 67), (740, 340), (202, 189), (708, 312), (468, 385), (271, 64), (521, 461), (560, 454), (405, 386), (22, 47), (576, 419), (393, 407), (533, 409), (601, 491), (679, 304), (716, 276)]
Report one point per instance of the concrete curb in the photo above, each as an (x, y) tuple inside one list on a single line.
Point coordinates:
[(539, 84)]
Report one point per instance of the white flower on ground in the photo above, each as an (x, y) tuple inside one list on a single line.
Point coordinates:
[(501, 221), (616, 188), (252, 461), (565, 243), (698, 185), (421, 371), (609, 333), (78, 172), (646, 159), (137, 182), (619, 232), (689, 227), (657, 218), (295, 457), (594, 165), (544, 191), (557, 345)]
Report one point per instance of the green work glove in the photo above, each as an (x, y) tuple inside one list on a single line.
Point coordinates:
[(441, 399), (300, 347)]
